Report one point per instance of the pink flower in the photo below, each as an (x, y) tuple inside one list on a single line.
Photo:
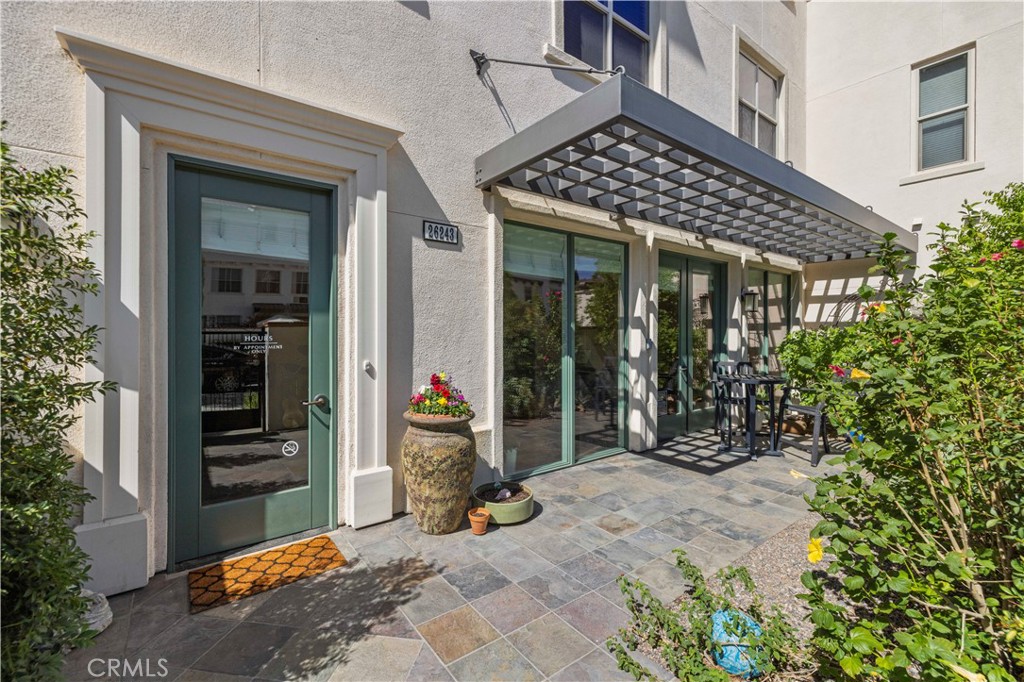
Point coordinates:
[(996, 256), (837, 370), (1017, 243), (897, 341), (983, 259)]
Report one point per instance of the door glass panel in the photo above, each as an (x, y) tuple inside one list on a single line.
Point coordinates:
[(535, 263), (778, 317), (598, 310), (670, 390), (255, 340), (753, 310), (702, 345)]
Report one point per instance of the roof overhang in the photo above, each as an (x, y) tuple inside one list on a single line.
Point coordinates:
[(626, 149)]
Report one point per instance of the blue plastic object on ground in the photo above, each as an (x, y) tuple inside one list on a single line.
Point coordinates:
[(732, 655)]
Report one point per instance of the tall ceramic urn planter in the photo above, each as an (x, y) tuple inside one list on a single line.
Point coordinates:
[(438, 459)]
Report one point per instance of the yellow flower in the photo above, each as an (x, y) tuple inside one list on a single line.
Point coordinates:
[(880, 307), (797, 474), (426, 402), (859, 374), (814, 551), (442, 401), (444, 376)]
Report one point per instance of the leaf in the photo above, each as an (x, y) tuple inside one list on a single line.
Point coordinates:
[(851, 665)]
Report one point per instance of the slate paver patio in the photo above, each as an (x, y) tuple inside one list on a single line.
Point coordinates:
[(530, 602)]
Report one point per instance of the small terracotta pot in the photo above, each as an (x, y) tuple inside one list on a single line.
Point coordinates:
[(478, 518)]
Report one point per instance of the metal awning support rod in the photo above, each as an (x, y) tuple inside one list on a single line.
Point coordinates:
[(480, 59)]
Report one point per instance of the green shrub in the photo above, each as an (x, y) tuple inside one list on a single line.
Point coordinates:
[(926, 522), (806, 355), (44, 276), (683, 637)]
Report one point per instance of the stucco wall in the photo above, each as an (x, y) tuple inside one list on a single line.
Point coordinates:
[(406, 65), (859, 102)]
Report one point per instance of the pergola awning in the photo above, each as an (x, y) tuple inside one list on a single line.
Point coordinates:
[(626, 149)]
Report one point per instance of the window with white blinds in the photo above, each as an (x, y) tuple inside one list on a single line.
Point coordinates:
[(943, 112)]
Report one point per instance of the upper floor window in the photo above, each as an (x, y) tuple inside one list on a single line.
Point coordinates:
[(300, 283), (758, 117), (943, 112), (609, 33), (268, 281), (228, 280)]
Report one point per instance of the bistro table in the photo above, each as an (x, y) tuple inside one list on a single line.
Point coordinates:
[(752, 382)]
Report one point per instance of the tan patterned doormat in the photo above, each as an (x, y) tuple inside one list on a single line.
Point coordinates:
[(236, 579)]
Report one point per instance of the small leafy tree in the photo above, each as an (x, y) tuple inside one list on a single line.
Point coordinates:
[(926, 522), (806, 356), (683, 637), (44, 346)]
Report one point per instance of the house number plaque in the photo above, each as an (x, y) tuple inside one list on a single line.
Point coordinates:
[(440, 232)]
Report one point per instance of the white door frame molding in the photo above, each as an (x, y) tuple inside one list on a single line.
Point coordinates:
[(138, 109)]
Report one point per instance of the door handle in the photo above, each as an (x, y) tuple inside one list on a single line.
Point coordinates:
[(320, 401)]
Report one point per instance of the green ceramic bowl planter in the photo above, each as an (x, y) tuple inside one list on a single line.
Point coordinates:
[(504, 513)]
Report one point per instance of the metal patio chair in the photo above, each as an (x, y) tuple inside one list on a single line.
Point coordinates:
[(817, 413)]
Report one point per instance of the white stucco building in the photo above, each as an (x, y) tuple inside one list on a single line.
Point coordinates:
[(260, 175)]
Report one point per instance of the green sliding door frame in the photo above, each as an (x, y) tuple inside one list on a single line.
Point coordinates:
[(684, 341), (568, 386), (194, 530)]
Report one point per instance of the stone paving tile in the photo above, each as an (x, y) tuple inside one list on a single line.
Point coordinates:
[(521, 564), (378, 658), (591, 570), (201, 676), (387, 550), (609, 501), (678, 527), (564, 498), (721, 546), (588, 536), (664, 579), (145, 624), (430, 600), (615, 524), (626, 556), (499, 662), (184, 642), (594, 616), (428, 668), (477, 580), (597, 666), (651, 510), (246, 649), (509, 608), (586, 510), (173, 597), (457, 633), (797, 504), (556, 547), (555, 520), (554, 587), (653, 541), (550, 644), (493, 544), (779, 486), (449, 558)]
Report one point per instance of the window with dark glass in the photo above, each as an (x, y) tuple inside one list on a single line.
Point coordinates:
[(609, 33), (300, 283), (942, 115), (228, 280), (769, 316), (758, 118)]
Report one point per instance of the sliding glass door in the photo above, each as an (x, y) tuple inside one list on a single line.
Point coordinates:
[(691, 338), (564, 356)]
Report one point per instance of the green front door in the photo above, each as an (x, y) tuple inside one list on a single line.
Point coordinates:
[(691, 338), (251, 380)]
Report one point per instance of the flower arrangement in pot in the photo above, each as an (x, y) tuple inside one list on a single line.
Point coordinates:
[(438, 455)]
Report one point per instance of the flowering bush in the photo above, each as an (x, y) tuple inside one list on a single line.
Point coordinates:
[(926, 521), (440, 398)]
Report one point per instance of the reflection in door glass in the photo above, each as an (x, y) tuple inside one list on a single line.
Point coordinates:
[(533, 310), (702, 341), (671, 394), (255, 339), (599, 310)]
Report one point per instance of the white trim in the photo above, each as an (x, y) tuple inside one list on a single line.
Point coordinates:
[(140, 108), (943, 171)]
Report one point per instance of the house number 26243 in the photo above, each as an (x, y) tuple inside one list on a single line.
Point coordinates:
[(440, 232)]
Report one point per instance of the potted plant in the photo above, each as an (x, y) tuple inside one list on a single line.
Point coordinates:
[(438, 455), (507, 502)]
